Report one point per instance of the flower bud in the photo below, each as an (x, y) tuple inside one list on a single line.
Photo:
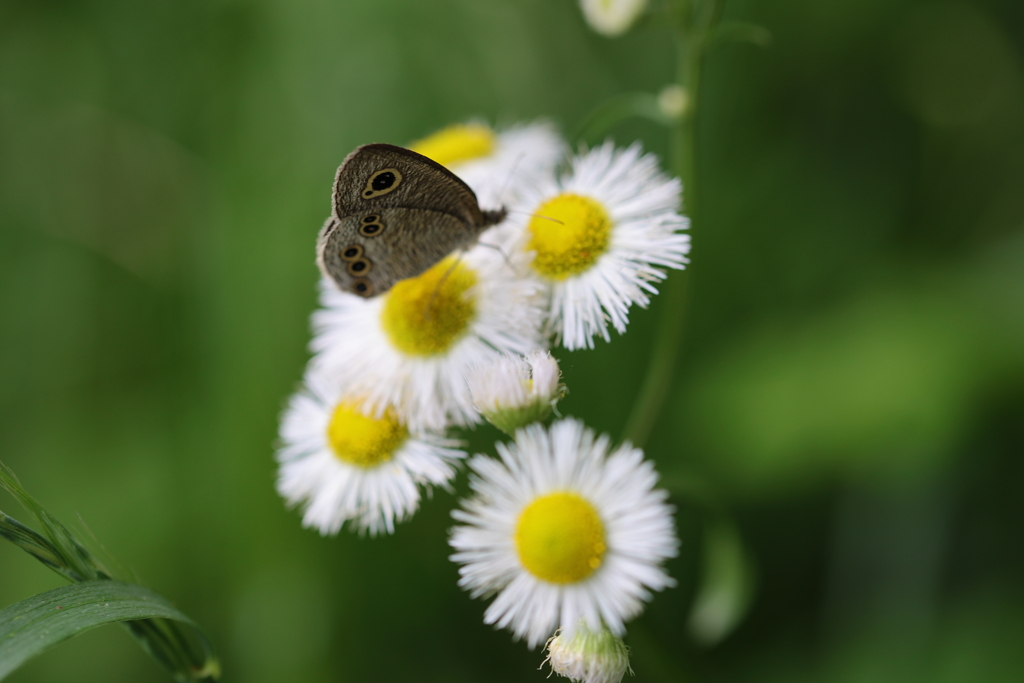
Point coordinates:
[(589, 657), (512, 392), (611, 17)]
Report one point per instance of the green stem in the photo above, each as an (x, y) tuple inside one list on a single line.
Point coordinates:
[(694, 24), (618, 109)]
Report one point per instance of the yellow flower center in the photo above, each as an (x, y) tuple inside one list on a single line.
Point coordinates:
[(452, 145), (364, 441), (568, 233), (560, 538), (425, 315)]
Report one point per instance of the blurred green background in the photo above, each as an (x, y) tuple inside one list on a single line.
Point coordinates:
[(852, 380)]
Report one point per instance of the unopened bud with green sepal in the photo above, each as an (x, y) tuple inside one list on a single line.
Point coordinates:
[(512, 392), (586, 656)]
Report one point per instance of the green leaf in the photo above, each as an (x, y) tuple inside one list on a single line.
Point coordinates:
[(727, 585), (32, 626), (185, 658), (884, 386), (617, 109), (728, 575)]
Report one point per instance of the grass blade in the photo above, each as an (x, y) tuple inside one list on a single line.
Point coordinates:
[(165, 634), (32, 626)]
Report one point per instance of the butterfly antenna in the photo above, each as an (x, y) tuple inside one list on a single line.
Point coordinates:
[(537, 215)]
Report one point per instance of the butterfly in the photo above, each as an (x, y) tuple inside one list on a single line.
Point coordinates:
[(395, 214)]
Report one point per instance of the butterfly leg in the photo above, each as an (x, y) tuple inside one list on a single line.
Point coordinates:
[(501, 251), (440, 283)]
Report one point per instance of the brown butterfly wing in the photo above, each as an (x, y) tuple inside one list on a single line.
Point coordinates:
[(403, 178), (396, 214), (367, 258)]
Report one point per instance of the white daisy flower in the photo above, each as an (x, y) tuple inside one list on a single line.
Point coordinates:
[(497, 165), (342, 465), (588, 657), (602, 233), (513, 391), (611, 17), (410, 348), (563, 532)]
